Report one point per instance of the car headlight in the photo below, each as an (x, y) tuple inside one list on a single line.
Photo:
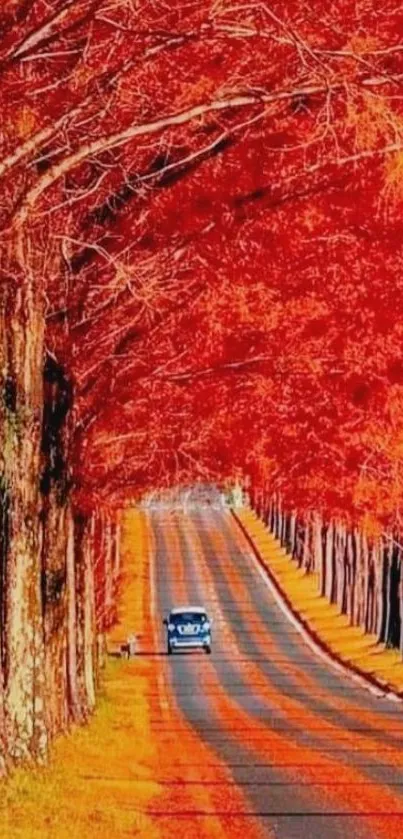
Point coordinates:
[(171, 627)]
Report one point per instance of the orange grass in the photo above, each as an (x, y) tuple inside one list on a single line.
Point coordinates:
[(100, 778)]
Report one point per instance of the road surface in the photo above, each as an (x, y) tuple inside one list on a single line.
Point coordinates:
[(311, 753)]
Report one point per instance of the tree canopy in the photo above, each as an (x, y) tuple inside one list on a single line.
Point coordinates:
[(203, 201)]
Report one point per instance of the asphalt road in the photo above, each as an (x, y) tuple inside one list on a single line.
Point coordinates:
[(312, 753)]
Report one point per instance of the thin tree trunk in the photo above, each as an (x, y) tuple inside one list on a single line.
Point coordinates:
[(109, 598), (339, 556), (75, 707), (401, 606), (379, 568), (383, 594), (85, 611), (393, 614), (346, 573), (3, 747), (352, 562), (284, 529), (89, 631), (55, 616), (293, 523), (318, 552), (103, 570), (329, 562), (4, 530), (360, 580), (300, 542), (80, 526), (374, 592), (272, 514), (117, 554), (277, 519), (369, 586), (306, 551), (55, 488)]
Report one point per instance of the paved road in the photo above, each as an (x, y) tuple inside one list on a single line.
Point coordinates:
[(313, 754)]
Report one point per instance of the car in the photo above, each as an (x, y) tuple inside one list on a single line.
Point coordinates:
[(188, 627)]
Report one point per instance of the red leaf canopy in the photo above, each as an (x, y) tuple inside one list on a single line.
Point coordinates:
[(208, 198)]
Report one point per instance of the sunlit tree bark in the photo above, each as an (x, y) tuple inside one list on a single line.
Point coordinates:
[(23, 633)]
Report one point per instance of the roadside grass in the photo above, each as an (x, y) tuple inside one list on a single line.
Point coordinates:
[(99, 780), (348, 644)]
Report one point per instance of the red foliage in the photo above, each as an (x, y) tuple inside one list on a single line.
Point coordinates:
[(209, 198)]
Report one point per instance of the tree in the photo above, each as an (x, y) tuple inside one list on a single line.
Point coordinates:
[(201, 256)]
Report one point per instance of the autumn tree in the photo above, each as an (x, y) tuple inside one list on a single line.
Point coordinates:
[(198, 216)]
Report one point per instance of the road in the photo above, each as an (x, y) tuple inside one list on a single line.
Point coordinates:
[(310, 753)]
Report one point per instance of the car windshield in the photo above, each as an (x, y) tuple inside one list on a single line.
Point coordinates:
[(188, 617)]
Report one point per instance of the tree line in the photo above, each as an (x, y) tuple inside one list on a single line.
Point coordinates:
[(359, 572), (200, 235)]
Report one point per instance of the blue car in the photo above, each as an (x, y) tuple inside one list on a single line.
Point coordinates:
[(187, 627)]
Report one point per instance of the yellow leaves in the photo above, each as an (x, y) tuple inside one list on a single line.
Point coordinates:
[(371, 119), (371, 526), (192, 93), (82, 76), (362, 45), (25, 122), (376, 126), (393, 189)]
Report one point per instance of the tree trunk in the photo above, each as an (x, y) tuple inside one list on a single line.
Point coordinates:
[(55, 615), (86, 629), (383, 594), (378, 593), (293, 525), (359, 616), (89, 618), (4, 531), (401, 606), (340, 568), (266, 514), (318, 554), (277, 526), (104, 575), (76, 711), (272, 514), (393, 614), (337, 570), (23, 648), (109, 592), (369, 586), (352, 565), (55, 489), (300, 542), (329, 562), (284, 529), (306, 554), (345, 565), (117, 555)]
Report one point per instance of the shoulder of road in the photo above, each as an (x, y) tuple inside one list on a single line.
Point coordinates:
[(349, 645)]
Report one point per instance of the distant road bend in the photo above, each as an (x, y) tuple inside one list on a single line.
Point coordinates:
[(310, 752)]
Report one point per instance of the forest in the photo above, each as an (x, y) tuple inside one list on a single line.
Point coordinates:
[(201, 280)]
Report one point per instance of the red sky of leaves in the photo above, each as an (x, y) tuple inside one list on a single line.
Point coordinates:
[(209, 198)]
